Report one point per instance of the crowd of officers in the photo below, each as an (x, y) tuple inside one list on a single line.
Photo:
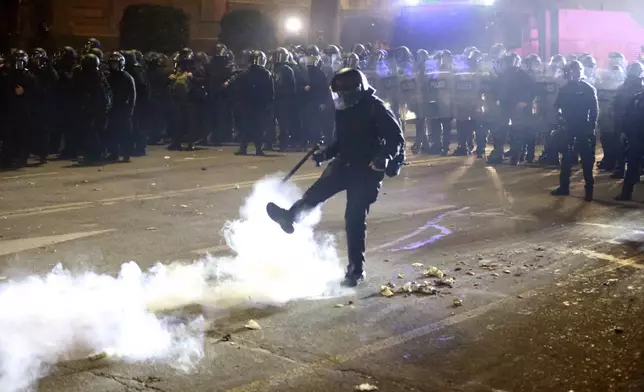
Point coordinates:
[(108, 107)]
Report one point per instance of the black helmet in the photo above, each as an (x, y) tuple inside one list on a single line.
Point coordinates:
[(359, 49), (202, 57), (116, 62), (66, 57), (588, 61), (557, 61), (313, 50), (138, 55), (497, 51), (512, 60), (616, 58), (91, 43), (422, 55), (532, 63), (468, 50), (332, 50), (130, 59), (575, 71), (220, 50), (474, 58), (186, 54), (635, 70), (349, 86), (351, 60), (19, 59), (402, 54), (39, 57), (257, 57), (89, 62), (97, 52), (281, 55)]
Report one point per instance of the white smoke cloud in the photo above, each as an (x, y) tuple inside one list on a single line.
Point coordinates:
[(62, 316)]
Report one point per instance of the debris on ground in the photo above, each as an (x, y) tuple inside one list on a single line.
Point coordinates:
[(338, 306), (487, 264), (610, 281), (619, 331), (102, 355), (457, 302), (183, 205), (417, 265), (566, 303), (385, 291), (507, 272), (434, 272), (226, 338), (401, 276), (236, 186), (252, 324), (470, 273), (365, 387), (151, 228), (166, 157), (444, 281)]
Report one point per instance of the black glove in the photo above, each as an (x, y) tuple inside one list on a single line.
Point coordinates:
[(379, 164), (319, 157)]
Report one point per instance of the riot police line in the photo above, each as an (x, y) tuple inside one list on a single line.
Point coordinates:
[(108, 107)]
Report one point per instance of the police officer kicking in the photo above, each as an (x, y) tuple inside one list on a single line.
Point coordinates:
[(369, 142), (578, 106)]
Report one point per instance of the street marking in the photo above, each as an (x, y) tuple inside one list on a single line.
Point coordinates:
[(28, 175), (397, 340), (630, 262), (503, 194), (21, 245), (456, 175)]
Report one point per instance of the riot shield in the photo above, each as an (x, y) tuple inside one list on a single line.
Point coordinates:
[(410, 92), (466, 96), (439, 89), (488, 108), (607, 84)]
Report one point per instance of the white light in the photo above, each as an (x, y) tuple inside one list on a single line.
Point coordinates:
[(293, 25), (488, 2), (412, 3)]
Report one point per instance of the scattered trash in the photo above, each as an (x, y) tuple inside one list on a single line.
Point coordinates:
[(350, 303), (619, 331), (338, 306), (630, 288), (385, 291), (540, 249), (470, 273), (386, 260), (151, 228), (488, 265), (32, 183), (507, 272), (183, 205), (101, 355), (97, 189), (166, 157), (401, 276), (610, 281), (365, 387), (449, 282), (417, 265), (457, 302), (226, 338), (252, 324), (236, 186), (566, 303), (153, 184), (204, 169), (433, 272)]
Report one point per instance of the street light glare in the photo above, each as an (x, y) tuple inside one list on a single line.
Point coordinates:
[(488, 2), (293, 25)]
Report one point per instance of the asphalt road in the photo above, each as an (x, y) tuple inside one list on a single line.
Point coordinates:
[(550, 288)]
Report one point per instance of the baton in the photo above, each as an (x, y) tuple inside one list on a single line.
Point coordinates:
[(303, 160)]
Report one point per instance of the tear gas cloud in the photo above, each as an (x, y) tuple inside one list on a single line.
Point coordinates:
[(136, 315)]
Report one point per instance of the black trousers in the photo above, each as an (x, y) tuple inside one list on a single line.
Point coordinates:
[(120, 134), (440, 132), (252, 126), (634, 155), (611, 146), (465, 133), (578, 138), (481, 133), (183, 124), (286, 116), (362, 185)]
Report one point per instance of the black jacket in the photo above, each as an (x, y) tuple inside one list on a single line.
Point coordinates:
[(256, 87), (124, 92), (284, 80), (367, 132), (514, 86), (578, 103)]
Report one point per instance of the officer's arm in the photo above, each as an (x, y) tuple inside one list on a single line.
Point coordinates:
[(131, 93), (270, 87), (390, 131), (289, 78), (593, 104)]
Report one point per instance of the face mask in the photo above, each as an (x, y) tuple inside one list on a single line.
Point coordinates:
[(347, 99), (114, 66)]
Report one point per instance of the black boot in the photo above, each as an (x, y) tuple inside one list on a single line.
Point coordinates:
[(560, 192), (588, 195), (242, 151), (353, 277)]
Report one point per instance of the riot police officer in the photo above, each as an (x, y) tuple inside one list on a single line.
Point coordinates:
[(139, 121), (94, 97), (578, 104), (119, 130), (368, 140), (412, 94), (533, 65), (614, 94), (222, 68), (550, 85), (183, 89), (631, 124), (92, 43), (47, 80), (256, 94), (331, 61), (628, 121), (466, 100), (318, 112), (285, 90), (18, 90), (351, 60), (516, 92)]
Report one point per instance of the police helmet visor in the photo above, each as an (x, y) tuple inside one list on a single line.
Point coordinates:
[(19, 64)]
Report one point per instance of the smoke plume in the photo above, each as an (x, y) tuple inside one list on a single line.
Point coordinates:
[(136, 315)]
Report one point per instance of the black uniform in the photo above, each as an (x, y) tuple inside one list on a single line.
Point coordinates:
[(633, 127), (368, 136), (285, 103), (19, 93), (614, 150), (256, 93), (140, 123), (120, 126), (222, 69), (47, 80), (515, 86), (579, 106)]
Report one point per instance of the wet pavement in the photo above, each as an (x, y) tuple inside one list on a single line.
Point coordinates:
[(546, 297)]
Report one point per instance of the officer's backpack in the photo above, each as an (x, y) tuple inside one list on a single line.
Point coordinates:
[(180, 87)]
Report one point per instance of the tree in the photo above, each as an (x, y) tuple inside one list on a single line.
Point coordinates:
[(150, 27), (247, 29)]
